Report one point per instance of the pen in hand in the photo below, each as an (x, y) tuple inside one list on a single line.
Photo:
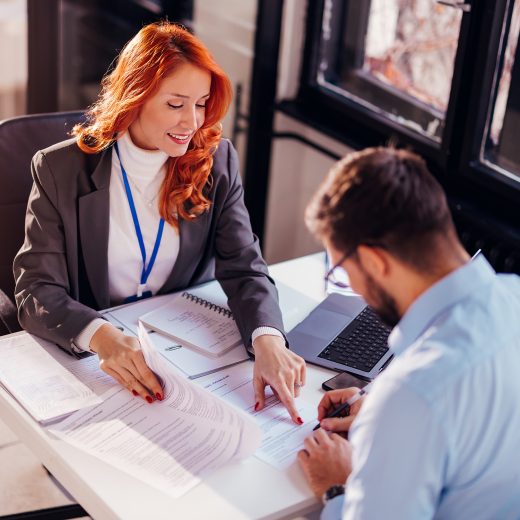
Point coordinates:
[(347, 404)]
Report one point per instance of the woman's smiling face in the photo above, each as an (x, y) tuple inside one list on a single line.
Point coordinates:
[(168, 120)]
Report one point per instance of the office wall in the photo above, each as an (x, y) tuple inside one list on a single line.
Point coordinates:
[(227, 27), (295, 174), (296, 169)]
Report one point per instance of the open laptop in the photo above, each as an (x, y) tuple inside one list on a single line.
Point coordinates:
[(344, 334)]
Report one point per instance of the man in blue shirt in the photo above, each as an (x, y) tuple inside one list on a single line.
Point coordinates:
[(438, 436)]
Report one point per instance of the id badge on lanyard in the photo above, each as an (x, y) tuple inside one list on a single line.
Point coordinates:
[(141, 291)]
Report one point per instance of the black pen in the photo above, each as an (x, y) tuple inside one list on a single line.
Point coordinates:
[(347, 404)]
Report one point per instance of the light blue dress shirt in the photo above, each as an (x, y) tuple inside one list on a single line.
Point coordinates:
[(439, 435)]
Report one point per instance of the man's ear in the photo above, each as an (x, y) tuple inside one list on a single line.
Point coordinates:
[(374, 260)]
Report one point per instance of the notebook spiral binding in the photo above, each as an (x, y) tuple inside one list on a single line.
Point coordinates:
[(208, 305)]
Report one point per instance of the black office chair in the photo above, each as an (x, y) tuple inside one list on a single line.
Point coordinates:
[(20, 139)]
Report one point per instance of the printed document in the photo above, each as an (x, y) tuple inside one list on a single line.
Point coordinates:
[(191, 363), (85, 369), (282, 439), (45, 388), (169, 444), (196, 323)]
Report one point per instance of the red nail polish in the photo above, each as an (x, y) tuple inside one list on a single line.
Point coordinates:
[(257, 405), (135, 393), (299, 420), (159, 396), (149, 399)]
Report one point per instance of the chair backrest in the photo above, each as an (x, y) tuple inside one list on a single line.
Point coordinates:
[(20, 138)]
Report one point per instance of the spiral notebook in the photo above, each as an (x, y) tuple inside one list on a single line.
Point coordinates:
[(195, 323)]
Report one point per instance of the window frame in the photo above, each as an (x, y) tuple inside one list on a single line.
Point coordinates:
[(489, 58), (312, 93), (353, 34), (455, 160)]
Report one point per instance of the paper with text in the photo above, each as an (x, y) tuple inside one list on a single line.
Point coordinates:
[(282, 439), (169, 444), (196, 323), (190, 362), (85, 369), (45, 388)]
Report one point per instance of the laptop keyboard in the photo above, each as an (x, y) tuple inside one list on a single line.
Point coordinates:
[(361, 344)]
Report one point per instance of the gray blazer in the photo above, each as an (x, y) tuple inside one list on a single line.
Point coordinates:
[(61, 271)]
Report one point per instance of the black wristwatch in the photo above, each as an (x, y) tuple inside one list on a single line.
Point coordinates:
[(332, 492)]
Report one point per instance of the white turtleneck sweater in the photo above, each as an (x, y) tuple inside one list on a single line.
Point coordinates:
[(145, 170)]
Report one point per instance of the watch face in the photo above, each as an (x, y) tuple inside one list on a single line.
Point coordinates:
[(332, 492)]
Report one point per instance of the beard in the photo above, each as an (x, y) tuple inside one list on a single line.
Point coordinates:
[(382, 303)]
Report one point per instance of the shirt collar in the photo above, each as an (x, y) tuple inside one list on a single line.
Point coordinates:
[(439, 297)]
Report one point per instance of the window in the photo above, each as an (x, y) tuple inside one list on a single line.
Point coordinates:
[(394, 57), (500, 150), (442, 79)]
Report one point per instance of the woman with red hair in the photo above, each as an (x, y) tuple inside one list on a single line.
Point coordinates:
[(147, 199)]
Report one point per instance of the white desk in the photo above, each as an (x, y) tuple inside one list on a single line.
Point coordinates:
[(249, 489)]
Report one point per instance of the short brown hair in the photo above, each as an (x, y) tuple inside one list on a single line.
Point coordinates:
[(382, 197)]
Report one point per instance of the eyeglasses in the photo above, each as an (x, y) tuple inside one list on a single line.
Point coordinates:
[(331, 275)]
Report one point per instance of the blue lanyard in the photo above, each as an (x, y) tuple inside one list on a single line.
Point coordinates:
[(147, 269)]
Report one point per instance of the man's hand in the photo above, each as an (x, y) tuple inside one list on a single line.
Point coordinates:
[(326, 461), (120, 356), (332, 400), (281, 369)]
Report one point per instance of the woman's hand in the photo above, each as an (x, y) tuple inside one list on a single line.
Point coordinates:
[(120, 356), (332, 400), (281, 369)]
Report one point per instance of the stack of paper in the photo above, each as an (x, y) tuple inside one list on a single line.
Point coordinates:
[(169, 444), (45, 388), (190, 362)]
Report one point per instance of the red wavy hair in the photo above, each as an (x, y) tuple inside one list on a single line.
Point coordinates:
[(146, 59)]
